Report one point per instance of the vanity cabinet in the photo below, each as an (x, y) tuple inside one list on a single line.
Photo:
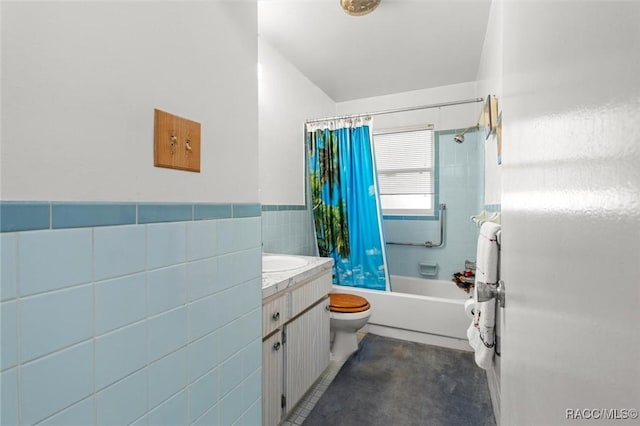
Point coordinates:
[(272, 384), (295, 344), (307, 351)]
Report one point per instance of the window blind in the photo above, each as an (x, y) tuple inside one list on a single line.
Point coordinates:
[(404, 161)]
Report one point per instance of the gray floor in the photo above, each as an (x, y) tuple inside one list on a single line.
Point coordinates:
[(300, 412), (394, 382)]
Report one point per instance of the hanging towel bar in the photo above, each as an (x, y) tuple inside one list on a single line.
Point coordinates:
[(429, 244)]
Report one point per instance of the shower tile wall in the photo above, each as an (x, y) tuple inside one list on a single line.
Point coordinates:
[(288, 230), (153, 323), (460, 177)]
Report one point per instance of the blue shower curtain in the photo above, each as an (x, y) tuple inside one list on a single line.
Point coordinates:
[(346, 203)]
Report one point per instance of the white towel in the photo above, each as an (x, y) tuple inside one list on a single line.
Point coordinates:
[(481, 332), (488, 252)]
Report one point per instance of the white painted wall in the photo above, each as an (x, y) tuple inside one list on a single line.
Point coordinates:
[(453, 117), (571, 209), (286, 98), (80, 82), (489, 81)]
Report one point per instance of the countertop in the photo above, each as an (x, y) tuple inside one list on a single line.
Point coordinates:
[(274, 282)]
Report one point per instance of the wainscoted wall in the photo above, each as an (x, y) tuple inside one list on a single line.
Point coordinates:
[(114, 313), (155, 319), (287, 229), (459, 183)]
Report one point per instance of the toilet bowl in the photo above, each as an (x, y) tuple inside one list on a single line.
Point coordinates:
[(348, 313)]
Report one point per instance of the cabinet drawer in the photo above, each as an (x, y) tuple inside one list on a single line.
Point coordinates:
[(310, 293), (274, 314)]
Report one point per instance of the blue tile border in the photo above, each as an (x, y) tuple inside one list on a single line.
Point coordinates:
[(246, 210), (37, 215), (211, 211), (282, 207), (493, 207), (164, 212), (24, 215), (78, 215)]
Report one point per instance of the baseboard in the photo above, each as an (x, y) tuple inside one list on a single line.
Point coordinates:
[(414, 336)]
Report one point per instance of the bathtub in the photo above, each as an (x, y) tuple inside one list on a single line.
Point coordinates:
[(420, 310)]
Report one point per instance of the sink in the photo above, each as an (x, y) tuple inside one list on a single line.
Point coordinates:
[(282, 263)]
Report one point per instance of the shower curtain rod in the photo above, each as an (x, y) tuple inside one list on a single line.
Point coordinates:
[(391, 111)]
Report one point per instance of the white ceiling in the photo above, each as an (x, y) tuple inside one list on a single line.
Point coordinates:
[(402, 45)]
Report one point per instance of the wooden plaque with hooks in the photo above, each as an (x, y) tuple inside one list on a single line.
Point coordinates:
[(176, 142)]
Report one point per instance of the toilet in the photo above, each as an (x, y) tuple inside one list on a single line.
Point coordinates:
[(348, 313)]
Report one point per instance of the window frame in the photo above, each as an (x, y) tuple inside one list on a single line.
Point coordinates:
[(428, 214)]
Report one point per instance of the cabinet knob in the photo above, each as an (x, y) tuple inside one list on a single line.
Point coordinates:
[(276, 316), (276, 346)]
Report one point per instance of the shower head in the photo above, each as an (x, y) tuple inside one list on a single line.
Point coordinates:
[(459, 138)]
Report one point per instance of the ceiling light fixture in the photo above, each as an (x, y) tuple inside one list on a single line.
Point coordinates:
[(359, 7)]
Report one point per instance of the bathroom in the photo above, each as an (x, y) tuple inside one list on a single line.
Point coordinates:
[(131, 293)]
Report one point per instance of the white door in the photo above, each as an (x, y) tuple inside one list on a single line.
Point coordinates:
[(571, 212)]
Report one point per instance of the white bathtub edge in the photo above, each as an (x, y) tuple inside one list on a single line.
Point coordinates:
[(419, 314), (414, 336)]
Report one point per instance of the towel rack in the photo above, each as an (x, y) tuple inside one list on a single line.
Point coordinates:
[(429, 244), (485, 216)]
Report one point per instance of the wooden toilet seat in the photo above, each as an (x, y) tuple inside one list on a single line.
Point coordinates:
[(347, 303)]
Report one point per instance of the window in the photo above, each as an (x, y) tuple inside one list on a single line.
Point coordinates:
[(405, 163)]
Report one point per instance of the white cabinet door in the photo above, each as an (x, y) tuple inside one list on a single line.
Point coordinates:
[(272, 369), (307, 351)]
